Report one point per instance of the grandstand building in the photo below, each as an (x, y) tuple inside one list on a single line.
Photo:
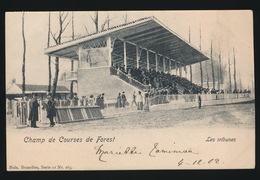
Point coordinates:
[(143, 44)]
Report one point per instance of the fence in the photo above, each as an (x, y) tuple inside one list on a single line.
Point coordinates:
[(162, 99), (78, 110), (18, 111), (80, 113)]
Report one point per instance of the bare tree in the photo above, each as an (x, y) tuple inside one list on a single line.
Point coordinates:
[(125, 18), (24, 53), (229, 73), (201, 72), (235, 78), (49, 57), (240, 81), (212, 65), (219, 71), (72, 61), (95, 21), (57, 39), (190, 64), (207, 74)]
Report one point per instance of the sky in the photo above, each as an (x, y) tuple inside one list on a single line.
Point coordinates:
[(226, 30)]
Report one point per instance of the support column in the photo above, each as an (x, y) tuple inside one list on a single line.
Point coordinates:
[(190, 73), (176, 68), (147, 59), (163, 64), (180, 70), (109, 51), (125, 62), (170, 64), (156, 62), (80, 56), (137, 57), (185, 69)]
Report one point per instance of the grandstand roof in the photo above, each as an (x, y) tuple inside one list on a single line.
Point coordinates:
[(148, 33)]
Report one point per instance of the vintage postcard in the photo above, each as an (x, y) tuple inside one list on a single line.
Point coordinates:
[(130, 90)]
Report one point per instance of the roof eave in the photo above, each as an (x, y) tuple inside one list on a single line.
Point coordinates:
[(92, 37)]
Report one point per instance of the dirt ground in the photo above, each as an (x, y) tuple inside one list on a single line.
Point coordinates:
[(232, 115), (171, 128)]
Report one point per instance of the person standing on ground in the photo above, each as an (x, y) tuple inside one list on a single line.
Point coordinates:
[(34, 116), (134, 99), (91, 100), (123, 99), (51, 111), (199, 100), (119, 101), (140, 101)]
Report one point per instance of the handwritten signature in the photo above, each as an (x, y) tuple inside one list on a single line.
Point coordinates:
[(101, 151), (127, 151), (157, 150)]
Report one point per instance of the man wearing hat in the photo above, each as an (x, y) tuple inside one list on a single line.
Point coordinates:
[(33, 116), (51, 113)]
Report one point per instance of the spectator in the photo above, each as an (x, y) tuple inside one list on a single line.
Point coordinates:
[(119, 101), (51, 113), (199, 100), (33, 116), (123, 99), (134, 99), (91, 100), (139, 101)]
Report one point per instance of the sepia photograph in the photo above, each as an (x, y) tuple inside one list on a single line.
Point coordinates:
[(129, 90)]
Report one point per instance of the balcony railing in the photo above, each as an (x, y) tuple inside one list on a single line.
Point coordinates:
[(71, 76)]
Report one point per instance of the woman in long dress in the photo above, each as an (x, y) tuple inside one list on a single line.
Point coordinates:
[(139, 100), (119, 101)]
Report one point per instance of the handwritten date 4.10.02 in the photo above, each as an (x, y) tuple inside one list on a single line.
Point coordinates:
[(212, 161)]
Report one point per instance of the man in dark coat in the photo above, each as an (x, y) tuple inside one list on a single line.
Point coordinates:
[(33, 116), (51, 112), (199, 100)]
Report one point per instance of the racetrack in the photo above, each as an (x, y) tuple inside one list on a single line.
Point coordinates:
[(230, 116)]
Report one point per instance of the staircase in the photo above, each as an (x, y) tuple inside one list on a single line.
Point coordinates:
[(136, 83), (119, 74)]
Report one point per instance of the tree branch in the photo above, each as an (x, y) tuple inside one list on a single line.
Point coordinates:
[(62, 13), (93, 19), (53, 36), (65, 17), (65, 27), (103, 25), (86, 29)]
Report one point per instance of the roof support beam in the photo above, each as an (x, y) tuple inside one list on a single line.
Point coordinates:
[(147, 59), (156, 62), (163, 64), (80, 57), (137, 57), (109, 51), (170, 66), (125, 62)]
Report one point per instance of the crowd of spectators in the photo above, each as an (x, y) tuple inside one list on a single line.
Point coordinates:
[(165, 83), (160, 81)]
